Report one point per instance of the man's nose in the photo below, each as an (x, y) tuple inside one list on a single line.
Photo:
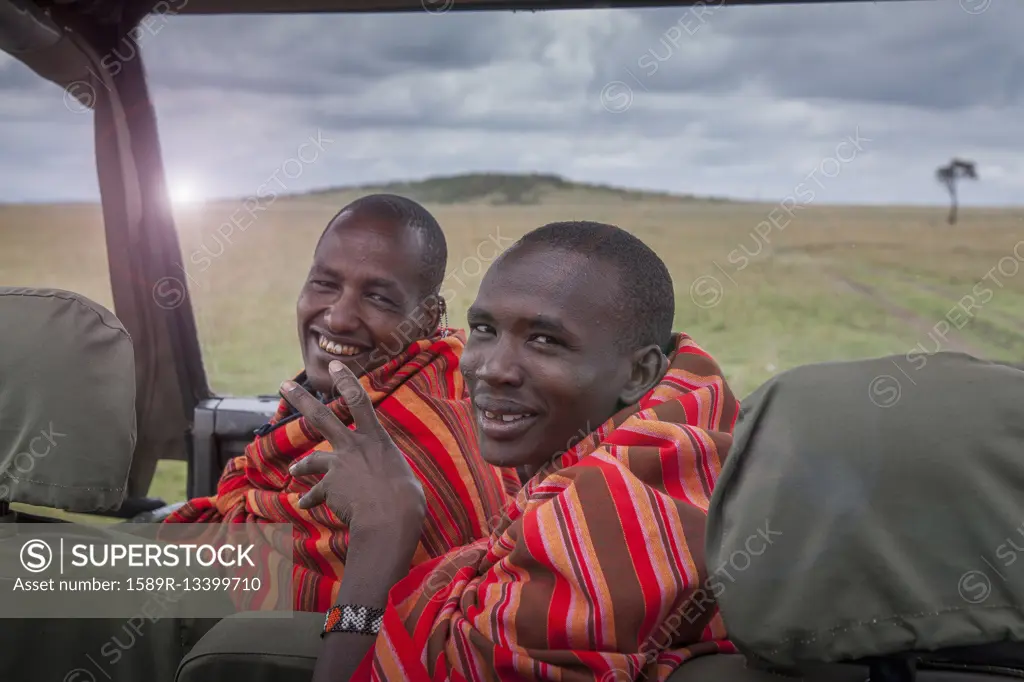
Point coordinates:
[(499, 364), (343, 314)]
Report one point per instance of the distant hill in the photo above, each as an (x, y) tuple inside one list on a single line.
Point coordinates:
[(505, 189)]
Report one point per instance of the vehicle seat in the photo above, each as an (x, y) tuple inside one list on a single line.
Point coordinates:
[(256, 648), (972, 664), (869, 530), (67, 437), (67, 401)]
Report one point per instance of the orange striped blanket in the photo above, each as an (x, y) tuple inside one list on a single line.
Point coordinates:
[(421, 399), (597, 571)]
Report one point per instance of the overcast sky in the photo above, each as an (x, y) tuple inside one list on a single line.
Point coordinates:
[(741, 101)]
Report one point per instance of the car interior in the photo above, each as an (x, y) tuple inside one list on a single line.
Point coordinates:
[(112, 393)]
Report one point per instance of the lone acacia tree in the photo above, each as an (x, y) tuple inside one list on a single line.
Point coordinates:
[(951, 174)]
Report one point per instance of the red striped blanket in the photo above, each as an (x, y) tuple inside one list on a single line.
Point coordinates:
[(421, 399), (597, 571)]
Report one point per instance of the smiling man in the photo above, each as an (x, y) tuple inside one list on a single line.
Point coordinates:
[(594, 571), (372, 288), (556, 350), (371, 301)]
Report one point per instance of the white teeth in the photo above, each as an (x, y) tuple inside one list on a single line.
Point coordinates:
[(503, 417), (337, 348)]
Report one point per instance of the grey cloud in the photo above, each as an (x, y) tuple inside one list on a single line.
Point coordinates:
[(15, 77), (305, 55), (743, 102), (935, 56)]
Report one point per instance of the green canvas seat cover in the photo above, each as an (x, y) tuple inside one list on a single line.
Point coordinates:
[(256, 648), (873, 507), (147, 646), (67, 401), (67, 436)]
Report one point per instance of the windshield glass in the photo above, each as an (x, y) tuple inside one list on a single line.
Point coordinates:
[(51, 225), (793, 193)]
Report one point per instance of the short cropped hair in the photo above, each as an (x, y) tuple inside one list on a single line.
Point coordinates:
[(411, 215), (646, 297)]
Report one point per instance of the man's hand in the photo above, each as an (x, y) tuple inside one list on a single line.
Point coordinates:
[(370, 486), (367, 481)]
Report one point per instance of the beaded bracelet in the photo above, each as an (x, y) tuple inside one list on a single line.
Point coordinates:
[(361, 620)]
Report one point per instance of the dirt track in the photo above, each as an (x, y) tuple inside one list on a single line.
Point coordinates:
[(926, 327)]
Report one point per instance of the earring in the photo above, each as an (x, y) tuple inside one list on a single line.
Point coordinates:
[(444, 319)]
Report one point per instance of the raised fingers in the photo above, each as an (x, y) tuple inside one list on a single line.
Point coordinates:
[(317, 414), (316, 496), (352, 392), (318, 462)]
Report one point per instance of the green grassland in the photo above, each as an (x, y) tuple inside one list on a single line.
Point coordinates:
[(761, 288)]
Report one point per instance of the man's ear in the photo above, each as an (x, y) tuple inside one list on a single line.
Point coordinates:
[(649, 366), (435, 306)]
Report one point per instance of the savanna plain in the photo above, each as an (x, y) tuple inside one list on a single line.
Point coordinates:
[(763, 287)]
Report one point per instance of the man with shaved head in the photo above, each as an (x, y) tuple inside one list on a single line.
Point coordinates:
[(373, 286), (371, 302)]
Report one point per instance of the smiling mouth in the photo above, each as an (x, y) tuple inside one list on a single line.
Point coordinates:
[(505, 426), (339, 349), (506, 418)]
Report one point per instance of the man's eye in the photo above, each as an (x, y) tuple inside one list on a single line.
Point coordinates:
[(545, 339), (480, 328)]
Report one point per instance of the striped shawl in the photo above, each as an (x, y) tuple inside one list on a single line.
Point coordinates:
[(596, 571), (420, 398)]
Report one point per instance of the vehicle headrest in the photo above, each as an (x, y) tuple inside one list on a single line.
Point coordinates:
[(870, 508), (67, 401)]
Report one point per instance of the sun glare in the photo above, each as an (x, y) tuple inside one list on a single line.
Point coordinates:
[(183, 193)]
